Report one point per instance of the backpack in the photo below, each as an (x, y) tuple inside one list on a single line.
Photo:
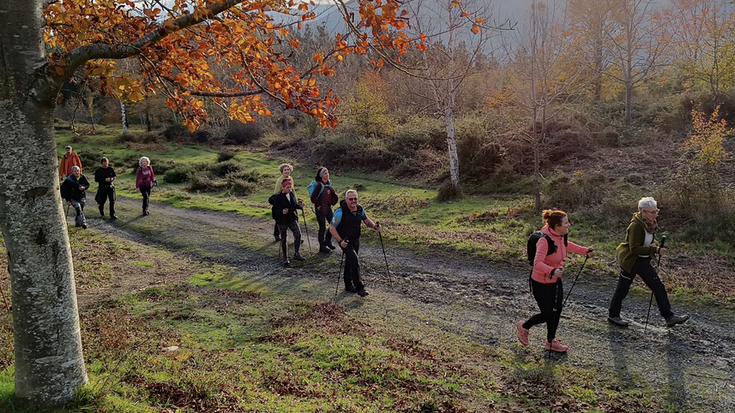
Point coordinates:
[(311, 188), (272, 198), (531, 245)]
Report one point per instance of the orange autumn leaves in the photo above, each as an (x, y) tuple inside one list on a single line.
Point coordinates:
[(232, 59)]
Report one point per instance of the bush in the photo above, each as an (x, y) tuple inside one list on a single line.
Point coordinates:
[(242, 188), (225, 155), (240, 133), (249, 176), (223, 168), (448, 192), (204, 182), (582, 189), (90, 160), (176, 132), (179, 174), (201, 136)]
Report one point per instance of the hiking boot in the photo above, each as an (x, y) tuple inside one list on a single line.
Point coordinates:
[(556, 346), (299, 257), (277, 237), (286, 262), (618, 321), (145, 212), (84, 226), (102, 212), (113, 217), (350, 289), (522, 333), (676, 319), (324, 249), (329, 245), (361, 292)]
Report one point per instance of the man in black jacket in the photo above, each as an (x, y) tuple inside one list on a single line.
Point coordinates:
[(285, 212), (105, 175), (346, 228), (73, 191)]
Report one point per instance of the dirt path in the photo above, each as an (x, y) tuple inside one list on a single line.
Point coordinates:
[(690, 367)]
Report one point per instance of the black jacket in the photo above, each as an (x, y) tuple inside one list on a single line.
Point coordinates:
[(351, 224), (100, 174), (281, 203), (70, 188)]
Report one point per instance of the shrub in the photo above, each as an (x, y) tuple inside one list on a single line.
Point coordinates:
[(242, 187), (240, 133), (581, 189), (204, 182), (223, 168), (201, 136), (448, 192), (178, 174), (90, 160), (225, 155), (249, 176), (176, 132)]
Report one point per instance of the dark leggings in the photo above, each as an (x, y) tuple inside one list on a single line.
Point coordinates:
[(352, 266), (145, 190), (294, 227), (549, 298), (324, 220), (648, 274)]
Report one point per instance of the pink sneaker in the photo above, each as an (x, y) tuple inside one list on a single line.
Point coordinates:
[(522, 333), (556, 346)]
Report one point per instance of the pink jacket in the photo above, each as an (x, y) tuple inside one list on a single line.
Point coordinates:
[(144, 176), (543, 264)]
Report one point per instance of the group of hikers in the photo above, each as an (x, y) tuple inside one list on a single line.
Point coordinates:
[(344, 224), (74, 184), (634, 257)]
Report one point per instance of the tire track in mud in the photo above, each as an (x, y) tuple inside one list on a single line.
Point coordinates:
[(690, 367)]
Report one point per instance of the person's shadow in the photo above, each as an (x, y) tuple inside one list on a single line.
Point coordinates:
[(619, 350)]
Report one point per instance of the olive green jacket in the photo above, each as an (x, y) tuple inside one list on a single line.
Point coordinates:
[(633, 247)]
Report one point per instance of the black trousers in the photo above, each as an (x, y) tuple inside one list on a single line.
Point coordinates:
[(649, 276), (105, 193), (325, 237), (549, 298), (352, 266), (146, 192), (294, 227)]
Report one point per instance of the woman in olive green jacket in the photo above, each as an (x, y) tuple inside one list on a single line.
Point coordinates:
[(634, 257)]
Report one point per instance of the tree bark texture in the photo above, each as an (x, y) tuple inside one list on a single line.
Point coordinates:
[(49, 364)]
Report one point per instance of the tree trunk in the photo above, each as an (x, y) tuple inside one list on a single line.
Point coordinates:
[(49, 364), (452, 146), (124, 118)]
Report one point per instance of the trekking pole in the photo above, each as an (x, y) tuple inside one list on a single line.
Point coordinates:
[(380, 235), (339, 273), (658, 265), (303, 215), (575, 282)]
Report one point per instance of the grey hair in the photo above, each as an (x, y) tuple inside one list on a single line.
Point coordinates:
[(75, 168), (647, 202), (144, 158), (350, 191)]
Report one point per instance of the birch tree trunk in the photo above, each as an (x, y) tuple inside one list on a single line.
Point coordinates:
[(49, 364)]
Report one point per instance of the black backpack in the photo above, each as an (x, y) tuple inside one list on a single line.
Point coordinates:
[(531, 245)]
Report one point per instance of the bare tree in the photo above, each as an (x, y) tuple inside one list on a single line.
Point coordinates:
[(544, 78), (639, 38)]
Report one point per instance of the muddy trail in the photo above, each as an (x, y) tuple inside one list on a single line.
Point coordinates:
[(690, 367)]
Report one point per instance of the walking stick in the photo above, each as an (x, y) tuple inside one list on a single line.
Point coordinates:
[(380, 235), (303, 215), (658, 265), (339, 273), (575, 282)]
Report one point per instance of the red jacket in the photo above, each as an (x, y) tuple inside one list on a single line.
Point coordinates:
[(543, 264), (67, 161)]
